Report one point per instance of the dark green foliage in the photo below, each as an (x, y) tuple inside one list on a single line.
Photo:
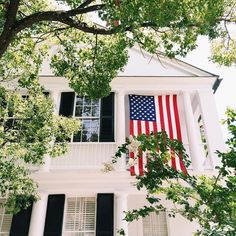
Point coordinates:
[(208, 200)]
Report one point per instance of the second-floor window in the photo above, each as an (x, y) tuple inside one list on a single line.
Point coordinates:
[(88, 112), (96, 116)]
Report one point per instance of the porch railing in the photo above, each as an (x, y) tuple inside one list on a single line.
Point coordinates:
[(85, 156)]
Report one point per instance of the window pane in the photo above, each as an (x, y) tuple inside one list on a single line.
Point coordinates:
[(95, 111), (86, 124), (87, 101), (94, 130), (94, 124), (85, 136), (77, 137), (86, 111), (79, 100), (95, 102), (94, 137), (78, 111)]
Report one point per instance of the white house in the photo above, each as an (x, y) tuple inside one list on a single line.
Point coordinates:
[(77, 198)]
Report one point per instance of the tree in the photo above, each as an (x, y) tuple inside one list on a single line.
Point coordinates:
[(89, 56), (28, 131), (208, 200)]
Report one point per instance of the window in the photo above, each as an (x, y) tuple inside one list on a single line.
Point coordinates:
[(88, 112), (155, 224), (5, 221), (80, 216), (97, 116)]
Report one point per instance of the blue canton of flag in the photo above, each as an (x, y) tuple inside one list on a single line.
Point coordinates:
[(142, 108)]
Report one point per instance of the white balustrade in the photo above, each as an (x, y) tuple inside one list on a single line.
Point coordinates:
[(85, 156)]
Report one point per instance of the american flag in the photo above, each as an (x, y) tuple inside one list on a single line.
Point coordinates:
[(154, 114)]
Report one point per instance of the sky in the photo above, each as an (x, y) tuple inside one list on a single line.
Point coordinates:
[(226, 93)]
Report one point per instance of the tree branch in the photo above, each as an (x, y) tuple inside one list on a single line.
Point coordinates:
[(11, 13), (58, 16), (10, 18), (86, 3)]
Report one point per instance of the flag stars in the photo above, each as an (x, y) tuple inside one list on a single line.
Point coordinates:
[(142, 108)]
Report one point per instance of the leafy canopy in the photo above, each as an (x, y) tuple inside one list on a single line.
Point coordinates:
[(208, 200), (90, 55), (28, 131)]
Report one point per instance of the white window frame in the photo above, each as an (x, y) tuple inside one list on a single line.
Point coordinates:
[(157, 224), (81, 118), (5, 218), (67, 232)]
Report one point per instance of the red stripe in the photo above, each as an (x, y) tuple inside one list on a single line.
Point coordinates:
[(131, 154), (161, 113), (173, 163), (131, 127), (139, 127), (178, 131), (147, 129), (182, 166), (154, 127), (140, 158), (140, 162)]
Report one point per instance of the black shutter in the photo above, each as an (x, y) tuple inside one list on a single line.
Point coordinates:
[(107, 119), (46, 94), (67, 104), (54, 215), (105, 214), (21, 222)]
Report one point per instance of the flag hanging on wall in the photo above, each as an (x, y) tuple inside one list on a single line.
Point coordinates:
[(154, 114)]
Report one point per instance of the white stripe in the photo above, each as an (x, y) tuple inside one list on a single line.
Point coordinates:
[(135, 127), (144, 162), (158, 119), (136, 169), (151, 127), (143, 129)]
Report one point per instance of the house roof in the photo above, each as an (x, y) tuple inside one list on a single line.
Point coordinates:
[(142, 63)]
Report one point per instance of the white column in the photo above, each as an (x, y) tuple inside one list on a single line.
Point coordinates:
[(38, 216), (121, 206), (193, 137), (55, 95), (120, 125), (211, 125)]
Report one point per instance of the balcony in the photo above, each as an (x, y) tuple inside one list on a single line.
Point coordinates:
[(85, 156), (91, 156)]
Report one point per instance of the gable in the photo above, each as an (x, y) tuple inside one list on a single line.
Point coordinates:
[(142, 63)]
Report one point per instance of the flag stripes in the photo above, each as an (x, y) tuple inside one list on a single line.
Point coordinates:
[(166, 119)]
